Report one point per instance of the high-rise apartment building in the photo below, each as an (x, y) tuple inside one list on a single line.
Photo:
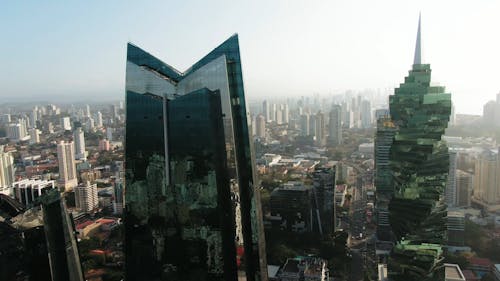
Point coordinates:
[(86, 197), (487, 179), (98, 119), (304, 125), (266, 111), (420, 165), (67, 167), (79, 141), (17, 131), (66, 123), (187, 143), (335, 126), (319, 129), (366, 114), (260, 124), (6, 168), (34, 136)]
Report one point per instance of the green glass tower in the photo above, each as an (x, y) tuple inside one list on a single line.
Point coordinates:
[(419, 163)]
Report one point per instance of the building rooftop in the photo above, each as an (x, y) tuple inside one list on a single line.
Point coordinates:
[(452, 272), (484, 262)]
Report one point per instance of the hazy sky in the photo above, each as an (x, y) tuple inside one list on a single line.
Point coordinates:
[(288, 47)]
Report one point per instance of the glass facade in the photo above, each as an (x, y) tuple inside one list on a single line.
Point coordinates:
[(188, 168), (419, 163)]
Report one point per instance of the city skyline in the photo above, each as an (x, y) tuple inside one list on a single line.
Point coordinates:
[(334, 49)]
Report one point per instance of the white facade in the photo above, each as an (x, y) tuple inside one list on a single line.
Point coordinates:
[(6, 168), (34, 135), (66, 123), (67, 166), (79, 140), (335, 126), (27, 191), (86, 198)]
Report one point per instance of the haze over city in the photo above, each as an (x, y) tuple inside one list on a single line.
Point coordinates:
[(75, 52)]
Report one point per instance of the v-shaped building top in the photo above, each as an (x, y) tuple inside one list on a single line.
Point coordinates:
[(191, 197)]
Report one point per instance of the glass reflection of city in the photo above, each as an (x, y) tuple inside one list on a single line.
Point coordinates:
[(190, 199)]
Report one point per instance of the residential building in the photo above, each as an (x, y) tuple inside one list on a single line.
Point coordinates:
[(6, 168), (260, 124), (79, 141), (66, 123), (335, 126), (67, 167), (86, 197)]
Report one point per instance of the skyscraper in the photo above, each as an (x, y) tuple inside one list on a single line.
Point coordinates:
[(335, 126), (187, 140), (266, 111), (6, 168), (61, 241), (419, 164), (366, 114), (66, 123), (79, 140), (260, 121), (67, 167), (383, 178), (86, 197)]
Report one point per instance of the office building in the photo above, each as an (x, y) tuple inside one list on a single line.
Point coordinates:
[(27, 191), (187, 139), (464, 188), (335, 126), (324, 200), (420, 165), (383, 175), (455, 229), (67, 167), (61, 242), (451, 185), (86, 197), (79, 141), (66, 123)]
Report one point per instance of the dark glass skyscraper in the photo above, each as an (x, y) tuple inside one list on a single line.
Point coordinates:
[(189, 162), (419, 162)]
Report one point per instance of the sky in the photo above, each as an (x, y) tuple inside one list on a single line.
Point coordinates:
[(76, 50)]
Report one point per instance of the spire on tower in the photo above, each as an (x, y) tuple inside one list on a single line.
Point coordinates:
[(418, 49)]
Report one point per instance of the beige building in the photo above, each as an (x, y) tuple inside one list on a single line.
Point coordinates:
[(6, 168), (487, 180), (67, 167), (86, 197)]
